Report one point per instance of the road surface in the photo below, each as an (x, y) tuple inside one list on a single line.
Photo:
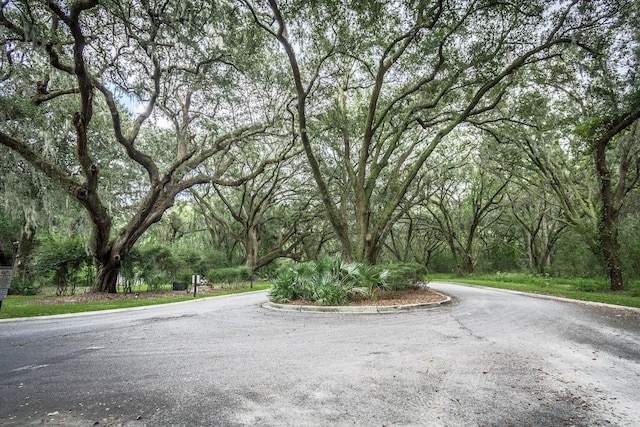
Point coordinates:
[(492, 358)]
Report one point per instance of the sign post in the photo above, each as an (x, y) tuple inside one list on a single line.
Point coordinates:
[(195, 279), (5, 281)]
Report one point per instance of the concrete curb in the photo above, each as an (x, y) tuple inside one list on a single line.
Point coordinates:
[(367, 309)]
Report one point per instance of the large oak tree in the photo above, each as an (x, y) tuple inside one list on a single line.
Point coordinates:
[(379, 85), (116, 62)]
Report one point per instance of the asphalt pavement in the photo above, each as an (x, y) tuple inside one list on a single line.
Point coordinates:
[(490, 358)]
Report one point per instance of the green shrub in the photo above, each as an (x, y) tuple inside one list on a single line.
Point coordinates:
[(159, 264), (59, 260), (283, 288), (330, 281), (194, 261), (402, 276), (23, 286), (318, 281), (323, 287), (156, 265), (590, 285), (157, 257), (155, 279), (130, 270), (366, 280), (329, 294), (572, 258)]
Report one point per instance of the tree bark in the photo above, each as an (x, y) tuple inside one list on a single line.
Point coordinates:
[(251, 243), (23, 250), (107, 275), (372, 248), (610, 203), (607, 221)]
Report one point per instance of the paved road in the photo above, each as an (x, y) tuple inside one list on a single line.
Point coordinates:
[(492, 358)]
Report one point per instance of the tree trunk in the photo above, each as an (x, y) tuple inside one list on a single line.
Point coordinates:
[(454, 254), (371, 250), (23, 250), (107, 276), (611, 254), (468, 263), (251, 245), (607, 222), (468, 260)]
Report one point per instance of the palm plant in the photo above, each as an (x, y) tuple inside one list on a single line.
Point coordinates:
[(366, 279), (328, 281)]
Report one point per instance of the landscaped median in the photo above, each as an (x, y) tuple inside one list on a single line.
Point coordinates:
[(418, 296), (378, 307)]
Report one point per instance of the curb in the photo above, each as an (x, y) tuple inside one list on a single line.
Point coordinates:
[(366, 309)]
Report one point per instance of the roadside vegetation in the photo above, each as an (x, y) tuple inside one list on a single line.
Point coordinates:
[(465, 137), (34, 305), (584, 289), (331, 281)]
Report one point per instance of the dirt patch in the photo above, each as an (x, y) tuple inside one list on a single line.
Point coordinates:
[(416, 295)]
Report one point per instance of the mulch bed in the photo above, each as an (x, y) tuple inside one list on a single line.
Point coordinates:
[(413, 295)]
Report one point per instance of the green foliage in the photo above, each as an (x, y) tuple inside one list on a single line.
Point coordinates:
[(159, 264), (365, 279), (14, 107), (23, 286), (156, 257), (441, 262), (402, 276), (155, 264), (9, 232), (59, 261), (630, 245), (194, 260), (284, 287), (318, 281), (229, 274), (270, 271), (500, 257), (155, 279), (574, 259), (585, 285), (594, 127), (129, 269), (329, 281)]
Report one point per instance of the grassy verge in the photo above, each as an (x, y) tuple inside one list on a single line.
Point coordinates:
[(23, 306), (595, 290)]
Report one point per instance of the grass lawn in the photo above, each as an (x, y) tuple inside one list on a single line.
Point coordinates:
[(596, 290), (33, 305)]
